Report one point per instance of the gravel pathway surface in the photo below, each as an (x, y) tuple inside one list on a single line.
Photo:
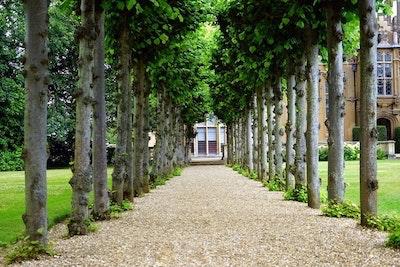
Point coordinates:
[(211, 216)]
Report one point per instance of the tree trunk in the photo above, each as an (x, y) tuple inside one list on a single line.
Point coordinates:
[(157, 158), (270, 126), (81, 181), (128, 187), (129, 192), (290, 130), (123, 117), (261, 134), (249, 141), (264, 140), (139, 108), (313, 181), (278, 131), (146, 153), (243, 126), (101, 201), (301, 125), (369, 133), (35, 124), (335, 122), (229, 144), (256, 161)]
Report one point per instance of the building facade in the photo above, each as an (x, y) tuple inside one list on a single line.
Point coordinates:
[(388, 89), (210, 138)]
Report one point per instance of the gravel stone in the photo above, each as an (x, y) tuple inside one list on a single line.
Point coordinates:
[(212, 216)]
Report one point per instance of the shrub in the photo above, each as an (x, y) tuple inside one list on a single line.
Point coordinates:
[(11, 160), (382, 133), (61, 151), (162, 179), (351, 152), (236, 167), (394, 240), (341, 210), (177, 171), (298, 194), (356, 134), (390, 223), (110, 154), (116, 209), (275, 184), (158, 181), (381, 154), (27, 250), (397, 139), (323, 153), (253, 175)]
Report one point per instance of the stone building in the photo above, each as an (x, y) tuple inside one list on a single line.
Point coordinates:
[(210, 138), (388, 90)]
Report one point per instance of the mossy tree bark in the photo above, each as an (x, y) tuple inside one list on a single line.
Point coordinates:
[(101, 200), (81, 181), (335, 121), (313, 181), (301, 124), (290, 130), (35, 124), (124, 136), (368, 140)]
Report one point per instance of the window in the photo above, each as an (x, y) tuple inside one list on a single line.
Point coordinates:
[(212, 140), (201, 141), (212, 134), (201, 134), (222, 135), (384, 73)]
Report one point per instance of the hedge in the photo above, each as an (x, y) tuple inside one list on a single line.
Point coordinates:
[(382, 133), (397, 139)]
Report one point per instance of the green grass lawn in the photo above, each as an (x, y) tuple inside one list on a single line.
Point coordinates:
[(388, 178), (12, 194), (12, 200)]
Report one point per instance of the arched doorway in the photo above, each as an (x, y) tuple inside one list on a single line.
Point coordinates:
[(385, 122)]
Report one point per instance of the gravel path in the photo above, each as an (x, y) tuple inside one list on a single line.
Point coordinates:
[(212, 216)]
